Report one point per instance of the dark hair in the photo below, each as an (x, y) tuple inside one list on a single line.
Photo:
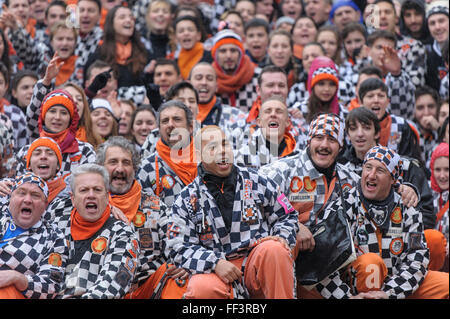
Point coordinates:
[(362, 115), (198, 14), (4, 70), (316, 44), (163, 61), (371, 70), (178, 104), (333, 29), (175, 89), (352, 27), (55, 3), (427, 90), (388, 1), (371, 84), (270, 69), (138, 58), (5, 56), (444, 51), (97, 2), (381, 34), (441, 130), (142, 108), (257, 22), (194, 20)]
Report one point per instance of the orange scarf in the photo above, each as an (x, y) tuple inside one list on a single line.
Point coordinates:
[(254, 111), (298, 51), (66, 70), (188, 58), (290, 144), (123, 52), (204, 109), (185, 165), (229, 84), (385, 131), (55, 186), (353, 104), (81, 229), (81, 134), (128, 203)]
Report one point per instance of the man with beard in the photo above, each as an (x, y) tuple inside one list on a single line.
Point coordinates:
[(413, 22), (148, 216), (173, 165), (228, 217)]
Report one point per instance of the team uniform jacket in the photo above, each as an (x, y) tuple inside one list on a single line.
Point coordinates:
[(150, 225), (443, 224), (413, 54), (87, 44), (304, 186), (158, 179), (402, 246), (19, 124), (197, 234), (39, 253), (244, 97), (102, 266), (7, 163), (413, 175), (255, 153)]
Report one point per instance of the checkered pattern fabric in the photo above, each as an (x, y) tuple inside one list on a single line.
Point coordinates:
[(402, 139), (149, 146), (7, 163), (444, 224), (168, 186), (88, 44), (327, 70), (19, 125), (299, 165), (436, 8), (86, 154), (39, 253), (220, 6), (443, 90), (303, 107), (299, 93), (412, 53), (32, 179), (387, 157), (197, 235), (94, 271), (150, 225), (406, 266), (327, 124), (246, 95), (136, 93), (40, 91), (255, 153)]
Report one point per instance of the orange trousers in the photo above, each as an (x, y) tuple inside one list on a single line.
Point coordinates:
[(171, 289), (268, 274), (11, 292), (436, 243), (371, 273)]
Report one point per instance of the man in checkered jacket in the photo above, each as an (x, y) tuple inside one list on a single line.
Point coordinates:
[(392, 255), (229, 222), (158, 174), (32, 251), (102, 249)]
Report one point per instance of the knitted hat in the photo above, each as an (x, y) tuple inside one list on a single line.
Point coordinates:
[(442, 150), (322, 68), (47, 142), (58, 97), (345, 3), (30, 178), (101, 104), (437, 7), (388, 157), (226, 36), (327, 124)]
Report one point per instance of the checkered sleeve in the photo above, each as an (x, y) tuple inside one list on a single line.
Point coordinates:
[(413, 55), (47, 282), (444, 89), (27, 50), (402, 99), (410, 272), (282, 217), (33, 109), (186, 250), (119, 266)]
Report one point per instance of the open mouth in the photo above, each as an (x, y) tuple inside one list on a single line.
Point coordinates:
[(274, 125), (91, 207), (371, 186), (26, 211), (223, 163)]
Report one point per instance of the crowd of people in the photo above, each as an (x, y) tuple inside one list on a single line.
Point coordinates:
[(174, 149)]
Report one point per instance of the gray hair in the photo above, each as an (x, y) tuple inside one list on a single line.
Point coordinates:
[(124, 144), (89, 168), (180, 105)]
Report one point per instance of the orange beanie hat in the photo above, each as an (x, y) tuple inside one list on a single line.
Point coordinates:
[(47, 142)]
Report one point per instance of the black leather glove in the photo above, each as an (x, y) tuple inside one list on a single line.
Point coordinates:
[(98, 83), (153, 95)]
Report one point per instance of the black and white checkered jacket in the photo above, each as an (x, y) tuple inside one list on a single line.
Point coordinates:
[(7, 159), (286, 171), (87, 44), (403, 247), (95, 270), (39, 253), (443, 90), (198, 237), (413, 55), (442, 225), (245, 96), (19, 124)]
